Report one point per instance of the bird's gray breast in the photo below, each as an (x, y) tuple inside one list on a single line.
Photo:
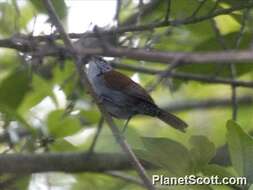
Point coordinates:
[(116, 102)]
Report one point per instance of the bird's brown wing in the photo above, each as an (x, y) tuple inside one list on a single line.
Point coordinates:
[(118, 81)]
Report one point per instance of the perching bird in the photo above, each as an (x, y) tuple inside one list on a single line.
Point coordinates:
[(122, 97)]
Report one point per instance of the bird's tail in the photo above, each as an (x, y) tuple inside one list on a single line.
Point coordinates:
[(172, 120)]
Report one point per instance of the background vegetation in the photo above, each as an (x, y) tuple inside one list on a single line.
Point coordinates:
[(44, 108)]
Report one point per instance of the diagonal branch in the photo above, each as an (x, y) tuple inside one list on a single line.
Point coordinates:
[(119, 138)]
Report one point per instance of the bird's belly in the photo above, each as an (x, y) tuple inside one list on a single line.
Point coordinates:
[(118, 111), (115, 102)]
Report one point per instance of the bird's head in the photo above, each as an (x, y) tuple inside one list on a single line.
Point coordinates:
[(98, 66)]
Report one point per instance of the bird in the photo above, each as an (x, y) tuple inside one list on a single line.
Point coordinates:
[(122, 97)]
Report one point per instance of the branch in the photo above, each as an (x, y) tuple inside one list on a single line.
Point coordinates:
[(65, 162), (78, 162), (220, 57), (22, 45), (185, 76), (119, 138), (167, 57), (207, 104), (139, 54)]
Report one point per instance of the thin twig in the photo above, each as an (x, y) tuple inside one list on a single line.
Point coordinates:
[(245, 17), (17, 16), (233, 92), (119, 138), (218, 35), (233, 67), (118, 8), (167, 15), (195, 12), (140, 7), (232, 70), (164, 75), (94, 141), (192, 20), (214, 7), (132, 19)]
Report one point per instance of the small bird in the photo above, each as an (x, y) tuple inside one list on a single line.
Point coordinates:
[(122, 97)]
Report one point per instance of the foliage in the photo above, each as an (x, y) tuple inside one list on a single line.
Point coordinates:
[(240, 147), (44, 96)]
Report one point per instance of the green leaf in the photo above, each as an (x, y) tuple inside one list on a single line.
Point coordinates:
[(65, 76), (240, 147), (233, 2), (180, 9), (7, 18), (61, 145), (26, 15), (61, 125), (91, 181), (227, 24), (8, 63), (13, 20), (106, 141), (41, 88), (213, 169), (60, 7), (167, 154), (90, 116), (14, 88), (202, 150), (23, 182), (11, 114), (212, 44), (128, 9)]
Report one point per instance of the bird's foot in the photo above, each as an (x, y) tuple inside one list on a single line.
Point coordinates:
[(125, 125)]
